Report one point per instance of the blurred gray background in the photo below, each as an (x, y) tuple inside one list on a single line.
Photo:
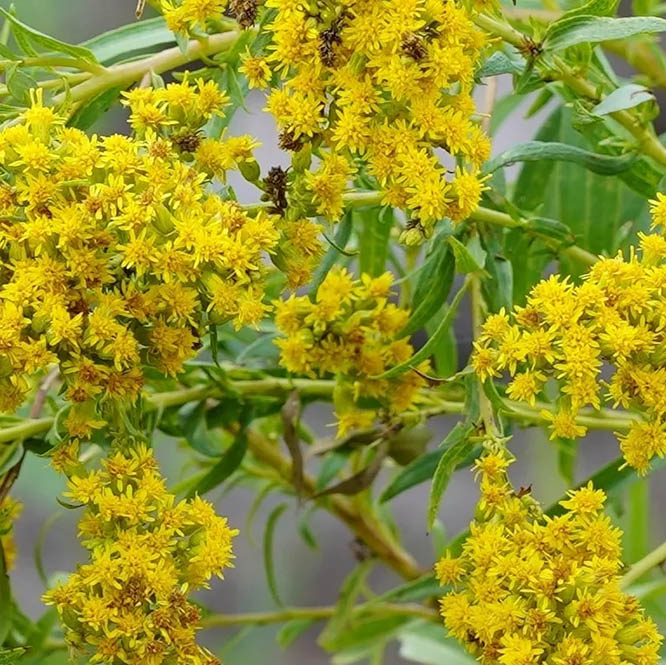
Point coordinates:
[(306, 577)]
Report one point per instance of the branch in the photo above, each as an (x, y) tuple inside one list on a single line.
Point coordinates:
[(313, 613), (128, 73), (484, 215), (647, 563), (369, 530)]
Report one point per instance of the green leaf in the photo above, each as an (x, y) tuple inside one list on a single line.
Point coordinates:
[(413, 591), (577, 198), (39, 39), (456, 448), (502, 62), (421, 469), (370, 631), (306, 533), (625, 97), (7, 54), (349, 592), (230, 461), (470, 257), (569, 31), (333, 463), (536, 151), (19, 84), (499, 288), (269, 564), (594, 8), (429, 645), (120, 43), (88, 114), (376, 224), (292, 630), (432, 288), (342, 235), (427, 349), (611, 478), (192, 420)]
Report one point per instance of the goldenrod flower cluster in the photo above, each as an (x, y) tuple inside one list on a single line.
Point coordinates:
[(9, 511), (568, 333), (380, 84), (129, 603), (530, 589), (117, 252), (351, 330)]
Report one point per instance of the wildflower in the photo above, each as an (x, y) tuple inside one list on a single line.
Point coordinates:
[(123, 271), (367, 82), (566, 334), (349, 330), (528, 589), (147, 553)]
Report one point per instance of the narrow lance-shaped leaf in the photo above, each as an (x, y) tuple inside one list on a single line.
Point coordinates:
[(574, 30), (625, 97), (425, 351), (292, 630), (376, 226), (432, 288), (423, 469), (269, 563), (457, 443), (46, 42), (535, 151), (117, 44), (225, 467)]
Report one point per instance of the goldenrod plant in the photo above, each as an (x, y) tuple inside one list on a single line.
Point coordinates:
[(169, 292)]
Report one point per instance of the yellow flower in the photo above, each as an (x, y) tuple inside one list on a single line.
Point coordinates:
[(147, 553), (532, 589)]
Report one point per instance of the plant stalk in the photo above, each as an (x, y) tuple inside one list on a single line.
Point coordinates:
[(124, 75), (647, 563)]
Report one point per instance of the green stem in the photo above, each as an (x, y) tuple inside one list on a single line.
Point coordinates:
[(364, 524), (647, 563), (604, 419), (25, 429), (478, 316), (124, 75), (268, 386), (497, 218), (312, 613)]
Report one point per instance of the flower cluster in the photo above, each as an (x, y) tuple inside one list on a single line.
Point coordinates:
[(350, 329), (9, 511), (117, 253), (129, 603), (568, 333), (530, 589), (380, 84)]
